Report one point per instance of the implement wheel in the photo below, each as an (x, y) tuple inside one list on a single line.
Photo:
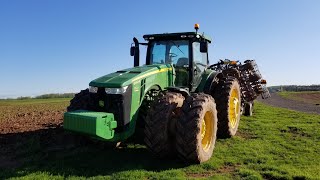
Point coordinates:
[(160, 123), (228, 99), (248, 109), (197, 128)]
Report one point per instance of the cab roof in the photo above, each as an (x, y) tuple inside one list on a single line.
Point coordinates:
[(180, 35)]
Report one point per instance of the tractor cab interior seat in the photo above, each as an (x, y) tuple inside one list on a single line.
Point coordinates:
[(182, 62), (182, 75)]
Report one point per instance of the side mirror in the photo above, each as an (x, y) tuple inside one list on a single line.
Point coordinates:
[(132, 50), (203, 47)]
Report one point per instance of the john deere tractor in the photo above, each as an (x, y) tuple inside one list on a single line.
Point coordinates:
[(177, 104)]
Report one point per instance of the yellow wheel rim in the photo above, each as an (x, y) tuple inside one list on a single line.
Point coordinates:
[(234, 107), (206, 131)]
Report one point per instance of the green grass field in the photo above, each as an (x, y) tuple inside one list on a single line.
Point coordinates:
[(274, 143)]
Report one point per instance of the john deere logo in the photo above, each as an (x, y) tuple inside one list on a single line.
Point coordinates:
[(101, 103)]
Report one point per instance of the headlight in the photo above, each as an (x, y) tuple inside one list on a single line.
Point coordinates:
[(116, 90), (93, 89)]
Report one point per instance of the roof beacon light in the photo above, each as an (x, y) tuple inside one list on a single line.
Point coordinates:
[(196, 27)]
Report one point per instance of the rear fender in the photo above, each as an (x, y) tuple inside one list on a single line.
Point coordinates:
[(153, 87), (183, 91), (209, 81)]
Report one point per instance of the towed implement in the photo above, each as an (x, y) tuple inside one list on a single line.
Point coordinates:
[(177, 104)]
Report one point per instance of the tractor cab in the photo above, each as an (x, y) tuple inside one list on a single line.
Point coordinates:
[(187, 52)]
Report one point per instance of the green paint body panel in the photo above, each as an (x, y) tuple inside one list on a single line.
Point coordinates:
[(142, 79), (204, 79), (151, 77), (95, 124), (127, 76)]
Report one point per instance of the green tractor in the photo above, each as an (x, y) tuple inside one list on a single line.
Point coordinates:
[(176, 103)]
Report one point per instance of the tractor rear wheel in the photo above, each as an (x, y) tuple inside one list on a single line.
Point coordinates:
[(160, 123), (81, 101), (197, 128), (228, 99), (248, 109)]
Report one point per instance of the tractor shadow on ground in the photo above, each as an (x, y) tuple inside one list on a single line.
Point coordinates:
[(58, 152)]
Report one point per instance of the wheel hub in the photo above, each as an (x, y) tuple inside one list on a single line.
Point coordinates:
[(206, 131), (234, 108)]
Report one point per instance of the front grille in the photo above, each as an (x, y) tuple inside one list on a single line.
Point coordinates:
[(117, 104)]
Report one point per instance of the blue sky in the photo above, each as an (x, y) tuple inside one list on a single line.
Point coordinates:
[(56, 46)]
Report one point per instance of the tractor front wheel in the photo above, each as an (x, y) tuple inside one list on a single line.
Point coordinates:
[(197, 128), (160, 123), (81, 101)]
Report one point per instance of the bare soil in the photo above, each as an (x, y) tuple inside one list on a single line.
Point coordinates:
[(32, 139), (278, 101), (25, 129), (31, 121)]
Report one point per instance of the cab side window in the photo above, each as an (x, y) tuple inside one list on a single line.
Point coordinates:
[(200, 59), (158, 53)]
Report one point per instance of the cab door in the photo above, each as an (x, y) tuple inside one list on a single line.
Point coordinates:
[(200, 61)]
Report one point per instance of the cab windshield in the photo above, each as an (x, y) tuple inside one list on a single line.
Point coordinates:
[(175, 52)]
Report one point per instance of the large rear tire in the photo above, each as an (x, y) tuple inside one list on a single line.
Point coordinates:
[(160, 123), (197, 128), (228, 99)]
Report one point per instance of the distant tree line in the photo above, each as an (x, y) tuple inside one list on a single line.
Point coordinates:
[(48, 96), (295, 88)]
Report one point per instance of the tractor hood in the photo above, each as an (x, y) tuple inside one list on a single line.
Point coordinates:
[(128, 76)]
